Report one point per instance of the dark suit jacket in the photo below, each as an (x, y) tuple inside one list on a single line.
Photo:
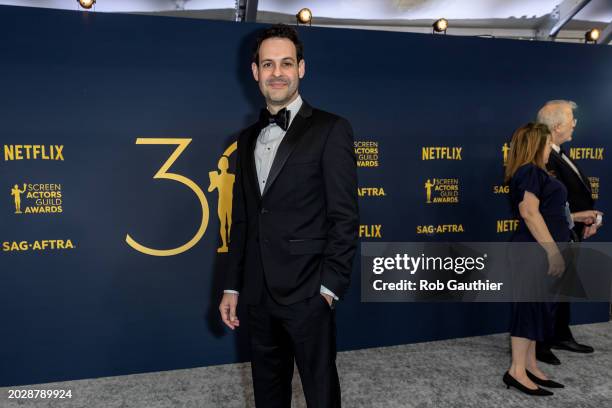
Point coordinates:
[(302, 232), (578, 187)]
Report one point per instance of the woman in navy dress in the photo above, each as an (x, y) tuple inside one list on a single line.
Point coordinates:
[(539, 200)]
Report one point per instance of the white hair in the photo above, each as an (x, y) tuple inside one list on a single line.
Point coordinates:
[(554, 117)]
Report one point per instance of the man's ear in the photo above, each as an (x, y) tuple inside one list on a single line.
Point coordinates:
[(255, 70), (301, 68)]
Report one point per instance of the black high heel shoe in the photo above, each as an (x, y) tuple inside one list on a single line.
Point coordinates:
[(544, 383), (510, 381)]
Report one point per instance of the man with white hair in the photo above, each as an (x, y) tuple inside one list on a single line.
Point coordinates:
[(558, 115)]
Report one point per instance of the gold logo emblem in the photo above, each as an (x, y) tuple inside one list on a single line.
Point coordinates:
[(442, 191), (223, 182), (505, 149), (220, 180), (16, 193), (428, 186)]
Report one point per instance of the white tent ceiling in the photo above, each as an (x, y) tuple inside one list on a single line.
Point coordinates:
[(596, 10), (498, 18), (433, 9)]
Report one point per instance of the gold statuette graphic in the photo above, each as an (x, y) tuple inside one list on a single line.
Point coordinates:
[(162, 173), (428, 186), (505, 149), (16, 193), (223, 182)]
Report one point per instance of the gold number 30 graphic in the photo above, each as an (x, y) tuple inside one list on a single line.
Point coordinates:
[(162, 173)]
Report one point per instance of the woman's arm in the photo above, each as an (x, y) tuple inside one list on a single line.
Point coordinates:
[(530, 212)]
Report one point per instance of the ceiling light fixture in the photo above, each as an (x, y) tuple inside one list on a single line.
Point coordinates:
[(304, 16), (591, 36), (440, 26), (87, 4)]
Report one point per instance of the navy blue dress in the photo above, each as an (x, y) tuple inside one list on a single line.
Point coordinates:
[(535, 321)]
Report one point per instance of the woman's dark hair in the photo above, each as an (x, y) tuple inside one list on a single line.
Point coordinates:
[(279, 31)]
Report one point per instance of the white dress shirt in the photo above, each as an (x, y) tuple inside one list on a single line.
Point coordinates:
[(266, 147), (267, 144)]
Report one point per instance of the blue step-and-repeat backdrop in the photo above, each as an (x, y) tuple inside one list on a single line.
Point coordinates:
[(112, 189)]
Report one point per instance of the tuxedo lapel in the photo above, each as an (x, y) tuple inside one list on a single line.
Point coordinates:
[(561, 161), (250, 160), (298, 127), (584, 178)]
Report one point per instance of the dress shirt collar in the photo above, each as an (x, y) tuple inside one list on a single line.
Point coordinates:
[(294, 108)]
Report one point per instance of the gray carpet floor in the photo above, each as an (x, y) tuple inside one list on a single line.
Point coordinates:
[(452, 373)]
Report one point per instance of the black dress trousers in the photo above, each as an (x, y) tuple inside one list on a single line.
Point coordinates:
[(304, 332)]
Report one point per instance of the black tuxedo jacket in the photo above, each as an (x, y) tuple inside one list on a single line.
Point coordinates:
[(579, 194), (301, 232)]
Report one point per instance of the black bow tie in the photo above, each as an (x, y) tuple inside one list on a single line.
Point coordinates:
[(562, 152), (281, 118)]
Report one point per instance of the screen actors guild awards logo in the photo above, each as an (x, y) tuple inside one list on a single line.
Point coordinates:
[(442, 191), (367, 153), (37, 198)]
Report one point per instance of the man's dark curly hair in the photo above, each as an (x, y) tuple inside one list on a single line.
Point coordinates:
[(279, 31)]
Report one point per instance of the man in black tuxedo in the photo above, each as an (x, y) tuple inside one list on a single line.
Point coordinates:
[(558, 115), (294, 232)]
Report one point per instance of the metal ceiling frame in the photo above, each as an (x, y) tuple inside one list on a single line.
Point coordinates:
[(560, 16), (606, 35), (246, 10)]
